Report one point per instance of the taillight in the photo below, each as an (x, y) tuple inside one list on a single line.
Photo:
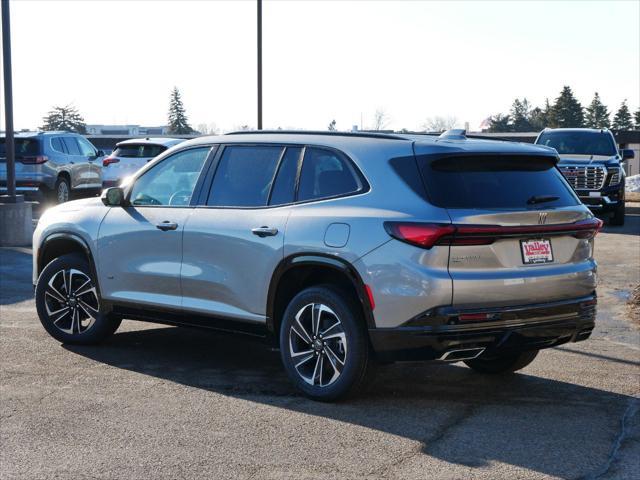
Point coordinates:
[(35, 160), (424, 235), (427, 235), (109, 160)]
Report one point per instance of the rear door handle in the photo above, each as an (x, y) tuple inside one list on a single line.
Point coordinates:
[(167, 225), (264, 231)]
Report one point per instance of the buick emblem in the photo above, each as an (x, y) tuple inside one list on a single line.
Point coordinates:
[(542, 218)]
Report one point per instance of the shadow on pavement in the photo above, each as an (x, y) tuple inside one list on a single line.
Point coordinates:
[(15, 275), (631, 223), (459, 416)]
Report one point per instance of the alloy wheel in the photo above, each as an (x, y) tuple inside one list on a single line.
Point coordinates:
[(63, 192), (318, 345), (71, 301)]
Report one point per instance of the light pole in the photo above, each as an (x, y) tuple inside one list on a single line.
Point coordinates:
[(259, 64), (8, 104)]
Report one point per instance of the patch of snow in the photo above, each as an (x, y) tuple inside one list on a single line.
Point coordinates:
[(633, 184)]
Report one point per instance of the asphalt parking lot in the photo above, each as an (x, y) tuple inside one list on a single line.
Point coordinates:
[(160, 402)]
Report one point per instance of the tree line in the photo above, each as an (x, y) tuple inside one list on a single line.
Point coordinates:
[(565, 112), (67, 118)]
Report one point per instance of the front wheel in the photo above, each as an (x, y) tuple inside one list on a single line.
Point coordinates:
[(68, 302), (324, 345), (502, 363)]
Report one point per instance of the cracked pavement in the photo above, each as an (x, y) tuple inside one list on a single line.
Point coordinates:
[(166, 403)]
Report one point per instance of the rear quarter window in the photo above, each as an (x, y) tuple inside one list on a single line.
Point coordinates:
[(495, 182)]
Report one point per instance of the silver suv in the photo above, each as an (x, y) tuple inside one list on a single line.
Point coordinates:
[(52, 165), (348, 250)]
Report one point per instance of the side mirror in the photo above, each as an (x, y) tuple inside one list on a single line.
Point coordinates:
[(100, 153), (113, 197), (627, 154)]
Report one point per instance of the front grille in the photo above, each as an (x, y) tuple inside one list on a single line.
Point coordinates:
[(585, 178)]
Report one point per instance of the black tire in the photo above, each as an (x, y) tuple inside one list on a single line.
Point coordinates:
[(346, 341), (617, 218), (502, 363), (62, 191), (72, 315)]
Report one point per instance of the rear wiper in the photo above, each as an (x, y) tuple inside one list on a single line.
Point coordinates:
[(541, 199)]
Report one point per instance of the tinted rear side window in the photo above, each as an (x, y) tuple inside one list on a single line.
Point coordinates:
[(495, 182), (138, 151), (24, 147), (72, 145), (284, 188), (244, 176), (326, 174)]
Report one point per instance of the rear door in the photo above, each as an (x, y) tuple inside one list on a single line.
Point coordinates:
[(522, 236), (235, 240)]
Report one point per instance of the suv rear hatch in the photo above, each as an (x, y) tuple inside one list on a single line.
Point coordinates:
[(520, 236)]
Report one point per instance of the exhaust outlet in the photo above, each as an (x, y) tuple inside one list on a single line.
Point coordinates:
[(462, 354)]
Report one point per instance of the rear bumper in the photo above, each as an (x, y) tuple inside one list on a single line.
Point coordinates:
[(439, 331), (30, 190)]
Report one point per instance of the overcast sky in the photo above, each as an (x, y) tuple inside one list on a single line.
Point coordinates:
[(117, 61)]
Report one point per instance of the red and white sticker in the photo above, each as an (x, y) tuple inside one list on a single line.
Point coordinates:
[(536, 251)]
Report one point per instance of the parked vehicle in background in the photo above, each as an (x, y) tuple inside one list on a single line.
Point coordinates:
[(53, 165), (131, 155), (593, 165), (346, 249)]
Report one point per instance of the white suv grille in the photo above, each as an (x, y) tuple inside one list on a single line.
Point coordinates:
[(585, 178)]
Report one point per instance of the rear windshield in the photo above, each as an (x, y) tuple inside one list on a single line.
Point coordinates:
[(138, 151), (24, 147), (495, 182), (579, 143)]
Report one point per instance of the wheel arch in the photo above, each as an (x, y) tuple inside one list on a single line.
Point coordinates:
[(64, 243), (301, 270)]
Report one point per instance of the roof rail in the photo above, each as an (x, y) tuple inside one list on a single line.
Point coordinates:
[(320, 132), (454, 134)]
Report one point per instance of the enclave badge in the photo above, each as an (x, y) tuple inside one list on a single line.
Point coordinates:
[(542, 218)]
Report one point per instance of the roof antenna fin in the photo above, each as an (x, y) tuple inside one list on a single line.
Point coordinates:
[(454, 134)]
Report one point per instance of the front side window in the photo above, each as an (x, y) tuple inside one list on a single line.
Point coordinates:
[(244, 176), (326, 174), (86, 148), (172, 181)]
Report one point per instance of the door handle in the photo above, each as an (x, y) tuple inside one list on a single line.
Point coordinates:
[(264, 231), (167, 225)]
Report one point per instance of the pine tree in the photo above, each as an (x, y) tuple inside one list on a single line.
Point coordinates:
[(597, 114), (567, 111), (520, 113), (636, 117), (500, 123), (622, 120), (332, 126), (64, 118), (178, 122)]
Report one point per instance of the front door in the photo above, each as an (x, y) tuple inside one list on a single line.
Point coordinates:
[(140, 246), (233, 244)]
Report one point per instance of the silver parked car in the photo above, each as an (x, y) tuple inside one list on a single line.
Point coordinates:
[(130, 156), (53, 165), (345, 249)]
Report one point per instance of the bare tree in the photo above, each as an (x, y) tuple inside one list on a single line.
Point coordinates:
[(439, 124), (380, 119)]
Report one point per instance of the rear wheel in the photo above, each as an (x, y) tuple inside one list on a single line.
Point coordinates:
[(323, 344), (62, 190), (68, 302), (502, 363), (617, 218)]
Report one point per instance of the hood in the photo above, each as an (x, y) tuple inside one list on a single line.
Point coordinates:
[(76, 205), (572, 159)]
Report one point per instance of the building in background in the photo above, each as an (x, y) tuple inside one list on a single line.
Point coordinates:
[(133, 130)]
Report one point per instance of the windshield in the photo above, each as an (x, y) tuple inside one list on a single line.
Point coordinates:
[(24, 147), (138, 151), (579, 143)]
